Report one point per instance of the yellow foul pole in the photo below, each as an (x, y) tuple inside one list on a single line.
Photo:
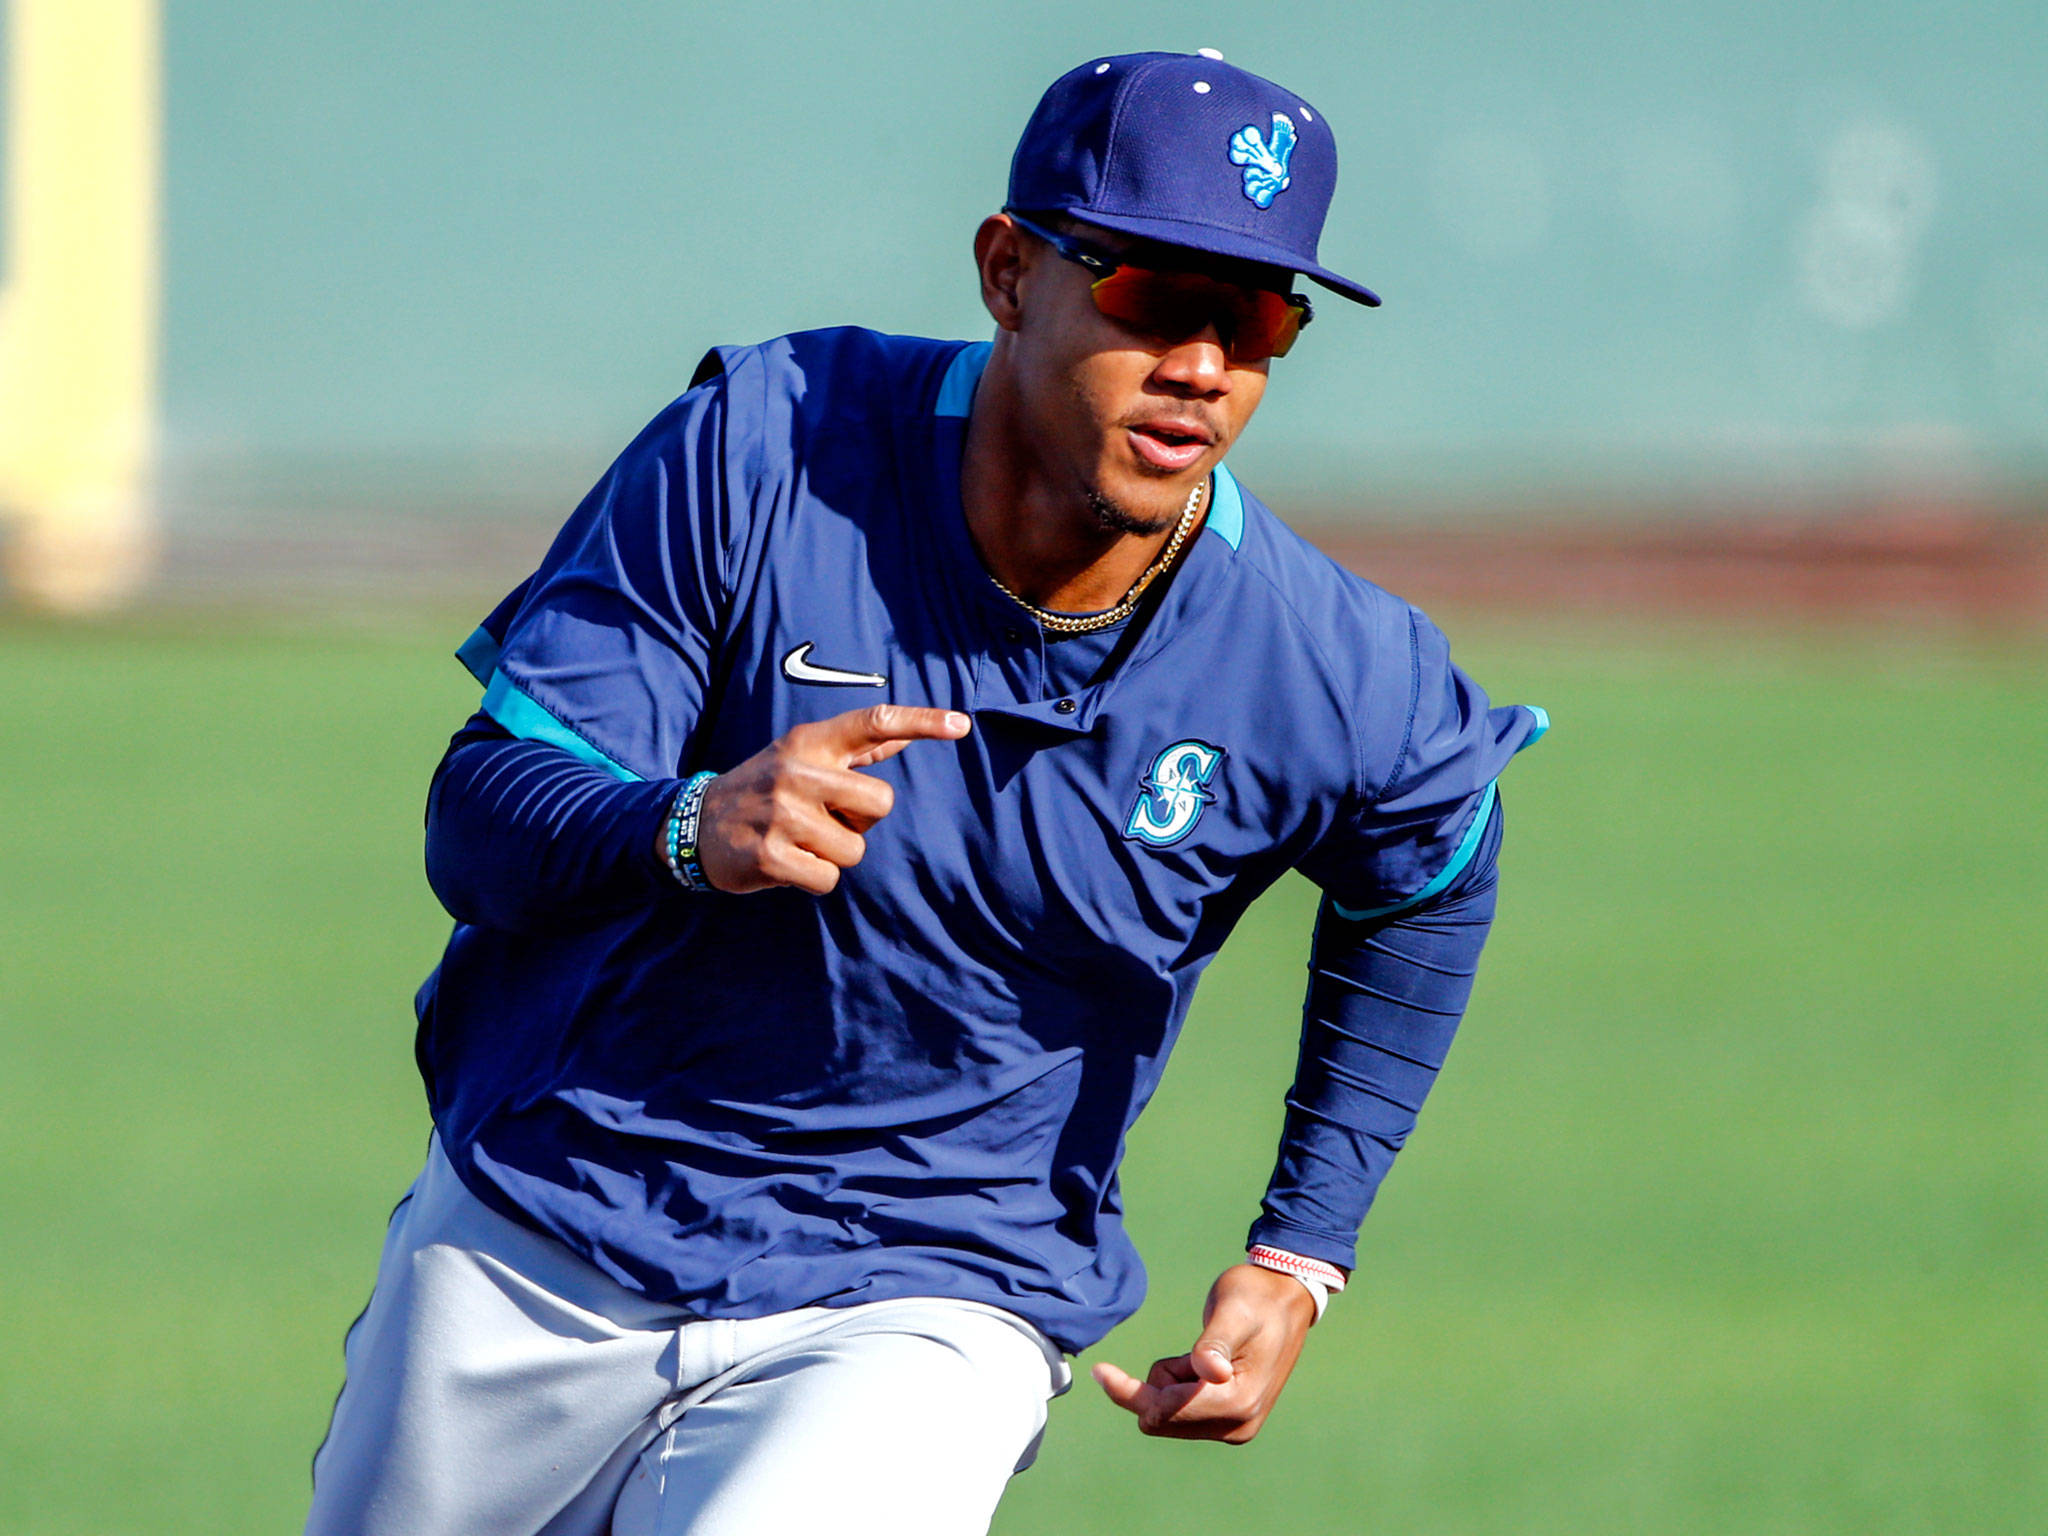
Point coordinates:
[(78, 298)]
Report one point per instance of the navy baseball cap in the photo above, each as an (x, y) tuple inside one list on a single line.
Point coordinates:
[(1185, 149)]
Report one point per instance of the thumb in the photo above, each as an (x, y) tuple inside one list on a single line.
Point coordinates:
[(1213, 1359)]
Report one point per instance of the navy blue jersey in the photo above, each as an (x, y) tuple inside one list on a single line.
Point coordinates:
[(921, 1083)]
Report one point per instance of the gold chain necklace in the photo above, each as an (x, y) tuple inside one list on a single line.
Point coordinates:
[(1088, 624)]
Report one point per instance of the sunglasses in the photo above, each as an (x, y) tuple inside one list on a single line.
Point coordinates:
[(1254, 323)]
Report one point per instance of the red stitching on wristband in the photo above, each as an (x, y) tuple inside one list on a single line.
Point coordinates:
[(1294, 1264)]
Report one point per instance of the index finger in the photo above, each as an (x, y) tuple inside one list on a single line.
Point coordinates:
[(1124, 1389), (863, 736), (1154, 1404)]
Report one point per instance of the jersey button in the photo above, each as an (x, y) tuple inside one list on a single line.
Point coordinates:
[(1064, 706), (1014, 636)]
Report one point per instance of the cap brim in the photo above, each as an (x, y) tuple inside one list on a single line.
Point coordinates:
[(1211, 241)]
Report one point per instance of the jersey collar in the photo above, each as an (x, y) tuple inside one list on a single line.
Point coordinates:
[(1207, 566)]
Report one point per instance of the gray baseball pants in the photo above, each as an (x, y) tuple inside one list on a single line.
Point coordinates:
[(498, 1383)]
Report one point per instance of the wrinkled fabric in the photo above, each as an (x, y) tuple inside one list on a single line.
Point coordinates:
[(919, 1084)]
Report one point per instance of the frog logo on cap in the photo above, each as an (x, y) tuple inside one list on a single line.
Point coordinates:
[(1264, 158)]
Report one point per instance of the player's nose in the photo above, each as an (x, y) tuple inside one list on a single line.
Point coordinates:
[(1198, 366)]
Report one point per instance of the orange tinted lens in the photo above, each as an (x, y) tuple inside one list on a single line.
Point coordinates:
[(1254, 323), (1275, 324)]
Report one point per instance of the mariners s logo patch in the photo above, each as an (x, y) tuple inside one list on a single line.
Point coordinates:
[(1174, 794), (1264, 158)]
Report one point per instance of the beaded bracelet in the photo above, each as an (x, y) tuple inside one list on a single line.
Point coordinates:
[(679, 833)]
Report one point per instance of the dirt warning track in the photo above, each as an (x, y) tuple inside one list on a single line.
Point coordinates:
[(1951, 567)]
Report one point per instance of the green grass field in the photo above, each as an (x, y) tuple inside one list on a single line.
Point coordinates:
[(1729, 1215)]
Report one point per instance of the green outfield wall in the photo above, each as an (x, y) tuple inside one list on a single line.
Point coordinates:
[(452, 254)]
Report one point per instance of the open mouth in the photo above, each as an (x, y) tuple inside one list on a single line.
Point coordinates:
[(1167, 446)]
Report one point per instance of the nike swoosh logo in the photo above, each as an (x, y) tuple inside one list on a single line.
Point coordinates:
[(799, 670)]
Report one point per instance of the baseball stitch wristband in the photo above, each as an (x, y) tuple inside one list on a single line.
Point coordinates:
[(679, 833), (1319, 1279)]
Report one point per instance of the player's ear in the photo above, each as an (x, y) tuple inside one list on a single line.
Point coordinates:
[(999, 254)]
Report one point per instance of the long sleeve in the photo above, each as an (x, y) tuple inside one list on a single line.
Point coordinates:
[(522, 836), (597, 682), (1384, 1000)]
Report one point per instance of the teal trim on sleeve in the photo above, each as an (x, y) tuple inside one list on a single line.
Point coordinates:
[(956, 389), (1542, 725), (479, 655), (1226, 512), (1467, 846), (504, 703)]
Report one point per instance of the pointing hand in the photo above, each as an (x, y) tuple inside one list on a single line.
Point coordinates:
[(794, 813)]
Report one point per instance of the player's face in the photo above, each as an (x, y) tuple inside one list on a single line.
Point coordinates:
[(1135, 419)]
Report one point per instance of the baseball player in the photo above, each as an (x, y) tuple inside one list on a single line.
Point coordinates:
[(862, 783)]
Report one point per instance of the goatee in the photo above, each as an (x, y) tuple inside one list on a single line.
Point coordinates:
[(1121, 519)]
